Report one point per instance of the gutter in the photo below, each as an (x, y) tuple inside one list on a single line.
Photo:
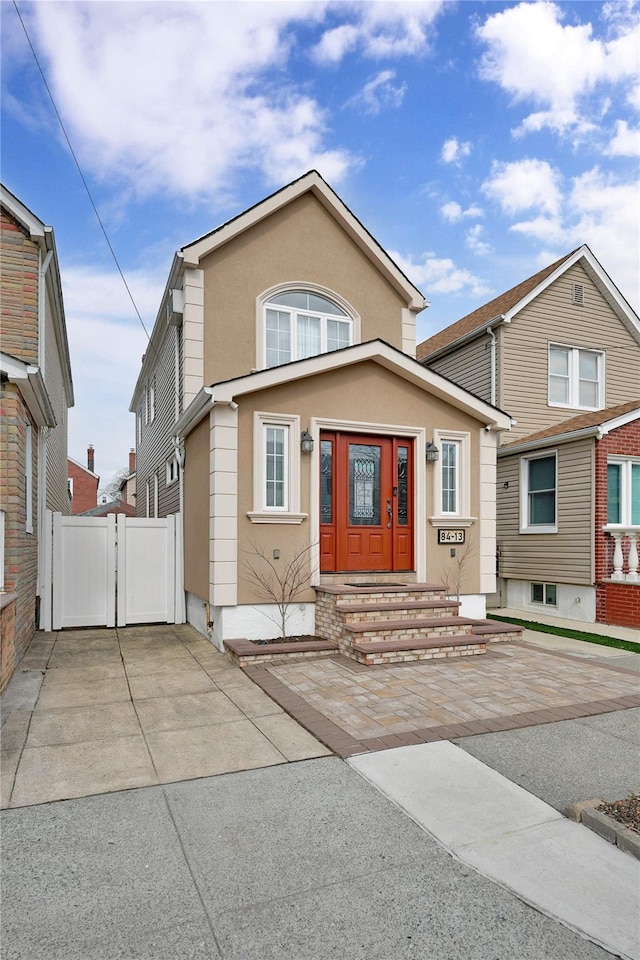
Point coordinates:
[(199, 407)]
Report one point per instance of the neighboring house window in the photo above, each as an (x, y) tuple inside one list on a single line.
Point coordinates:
[(28, 478), (576, 377), (299, 324), (148, 504), (151, 401), (546, 593), (70, 487), (156, 486), (452, 478), (623, 492), (172, 471), (276, 474), (538, 483), (139, 427)]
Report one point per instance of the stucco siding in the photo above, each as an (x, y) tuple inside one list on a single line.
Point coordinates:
[(363, 395), (565, 556), (196, 511), (299, 243), (469, 366), (553, 318)]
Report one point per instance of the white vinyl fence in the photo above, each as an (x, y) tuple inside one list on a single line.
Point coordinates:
[(112, 571)]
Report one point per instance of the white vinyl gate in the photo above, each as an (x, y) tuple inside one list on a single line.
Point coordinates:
[(112, 571)]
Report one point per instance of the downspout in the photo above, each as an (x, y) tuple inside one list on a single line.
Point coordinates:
[(43, 436), (493, 365), (180, 613)]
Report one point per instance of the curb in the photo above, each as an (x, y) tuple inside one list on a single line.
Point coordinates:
[(585, 812)]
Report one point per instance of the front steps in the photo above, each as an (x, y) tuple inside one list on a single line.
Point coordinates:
[(396, 623)]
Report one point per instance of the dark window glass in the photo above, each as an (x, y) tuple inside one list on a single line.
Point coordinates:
[(403, 486), (326, 481), (364, 484)]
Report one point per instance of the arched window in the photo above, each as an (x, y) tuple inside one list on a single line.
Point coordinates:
[(299, 324)]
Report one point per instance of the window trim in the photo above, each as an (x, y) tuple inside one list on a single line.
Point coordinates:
[(261, 513), (544, 602), (462, 515), (170, 464), (574, 376), (625, 493), (306, 287), (525, 525)]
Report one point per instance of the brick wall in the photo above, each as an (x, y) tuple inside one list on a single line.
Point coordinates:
[(85, 489), (617, 603), (20, 547), (19, 292)]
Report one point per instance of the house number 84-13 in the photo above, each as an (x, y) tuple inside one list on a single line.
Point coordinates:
[(451, 536)]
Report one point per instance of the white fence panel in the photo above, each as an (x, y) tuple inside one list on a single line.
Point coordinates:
[(83, 571), (146, 570)]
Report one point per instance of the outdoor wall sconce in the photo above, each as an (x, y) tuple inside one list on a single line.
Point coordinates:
[(306, 442), (431, 451)]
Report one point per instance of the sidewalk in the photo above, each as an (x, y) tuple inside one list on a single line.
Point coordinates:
[(510, 836)]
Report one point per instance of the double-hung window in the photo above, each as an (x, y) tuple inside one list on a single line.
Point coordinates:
[(538, 481), (452, 479), (300, 324), (450, 458), (623, 492), (276, 469), (576, 377)]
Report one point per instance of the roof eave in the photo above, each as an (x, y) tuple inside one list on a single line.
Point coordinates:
[(552, 441)]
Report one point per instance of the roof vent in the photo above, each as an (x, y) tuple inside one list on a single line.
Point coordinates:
[(578, 294)]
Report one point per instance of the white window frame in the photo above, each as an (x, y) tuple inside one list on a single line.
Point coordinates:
[(28, 478), (172, 471), (139, 427), (462, 514), (290, 513), (261, 318), (544, 602), (70, 487), (156, 494), (625, 492), (148, 491), (574, 377), (525, 525)]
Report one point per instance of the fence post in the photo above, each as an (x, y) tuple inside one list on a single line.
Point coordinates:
[(119, 565)]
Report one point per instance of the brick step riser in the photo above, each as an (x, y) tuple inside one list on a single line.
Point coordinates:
[(454, 630), (415, 656), (417, 613), (368, 598)]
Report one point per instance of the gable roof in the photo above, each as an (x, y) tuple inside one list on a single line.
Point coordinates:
[(503, 308), (595, 423), (82, 467), (313, 183), (404, 366)]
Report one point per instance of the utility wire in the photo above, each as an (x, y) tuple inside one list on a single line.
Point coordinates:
[(82, 177)]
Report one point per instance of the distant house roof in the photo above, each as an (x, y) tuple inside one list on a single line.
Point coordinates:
[(596, 422), (81, 466), (114, 506), (503, 308)]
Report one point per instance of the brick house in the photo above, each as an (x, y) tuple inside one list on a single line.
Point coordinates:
[(83, 483), (36, 391)]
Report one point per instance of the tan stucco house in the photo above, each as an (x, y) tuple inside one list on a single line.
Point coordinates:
[(280, 408), (561, 352)]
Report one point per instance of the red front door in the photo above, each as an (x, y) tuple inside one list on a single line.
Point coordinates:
[(366, 503)]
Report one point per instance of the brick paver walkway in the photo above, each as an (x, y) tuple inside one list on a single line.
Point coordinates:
[(354, 709)]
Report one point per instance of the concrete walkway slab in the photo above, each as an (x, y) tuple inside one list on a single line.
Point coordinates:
[(77, 724), (515, 839)]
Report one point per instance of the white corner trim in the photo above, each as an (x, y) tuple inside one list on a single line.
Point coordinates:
[(223, 505)]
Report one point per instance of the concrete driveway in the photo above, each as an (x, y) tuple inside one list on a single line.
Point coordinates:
[(95, 711)]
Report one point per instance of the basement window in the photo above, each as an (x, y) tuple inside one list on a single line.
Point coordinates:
[(546, 593)]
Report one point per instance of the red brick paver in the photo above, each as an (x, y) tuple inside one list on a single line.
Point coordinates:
[(355, 709)]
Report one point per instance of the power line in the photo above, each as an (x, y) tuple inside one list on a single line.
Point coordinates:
[(82, 177)]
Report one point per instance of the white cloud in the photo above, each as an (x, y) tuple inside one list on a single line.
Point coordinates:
[(626, 142), (384, 28), (379, 93), (536, 58), (524, 184), (452, 212), (106, 343), (474, 242), (601, 211), (453, 151), (180, 97), (440, 275)]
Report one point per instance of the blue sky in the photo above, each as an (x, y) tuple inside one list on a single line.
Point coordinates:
[(478, 142)]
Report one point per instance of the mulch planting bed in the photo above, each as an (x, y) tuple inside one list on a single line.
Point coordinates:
[(626, 812)]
